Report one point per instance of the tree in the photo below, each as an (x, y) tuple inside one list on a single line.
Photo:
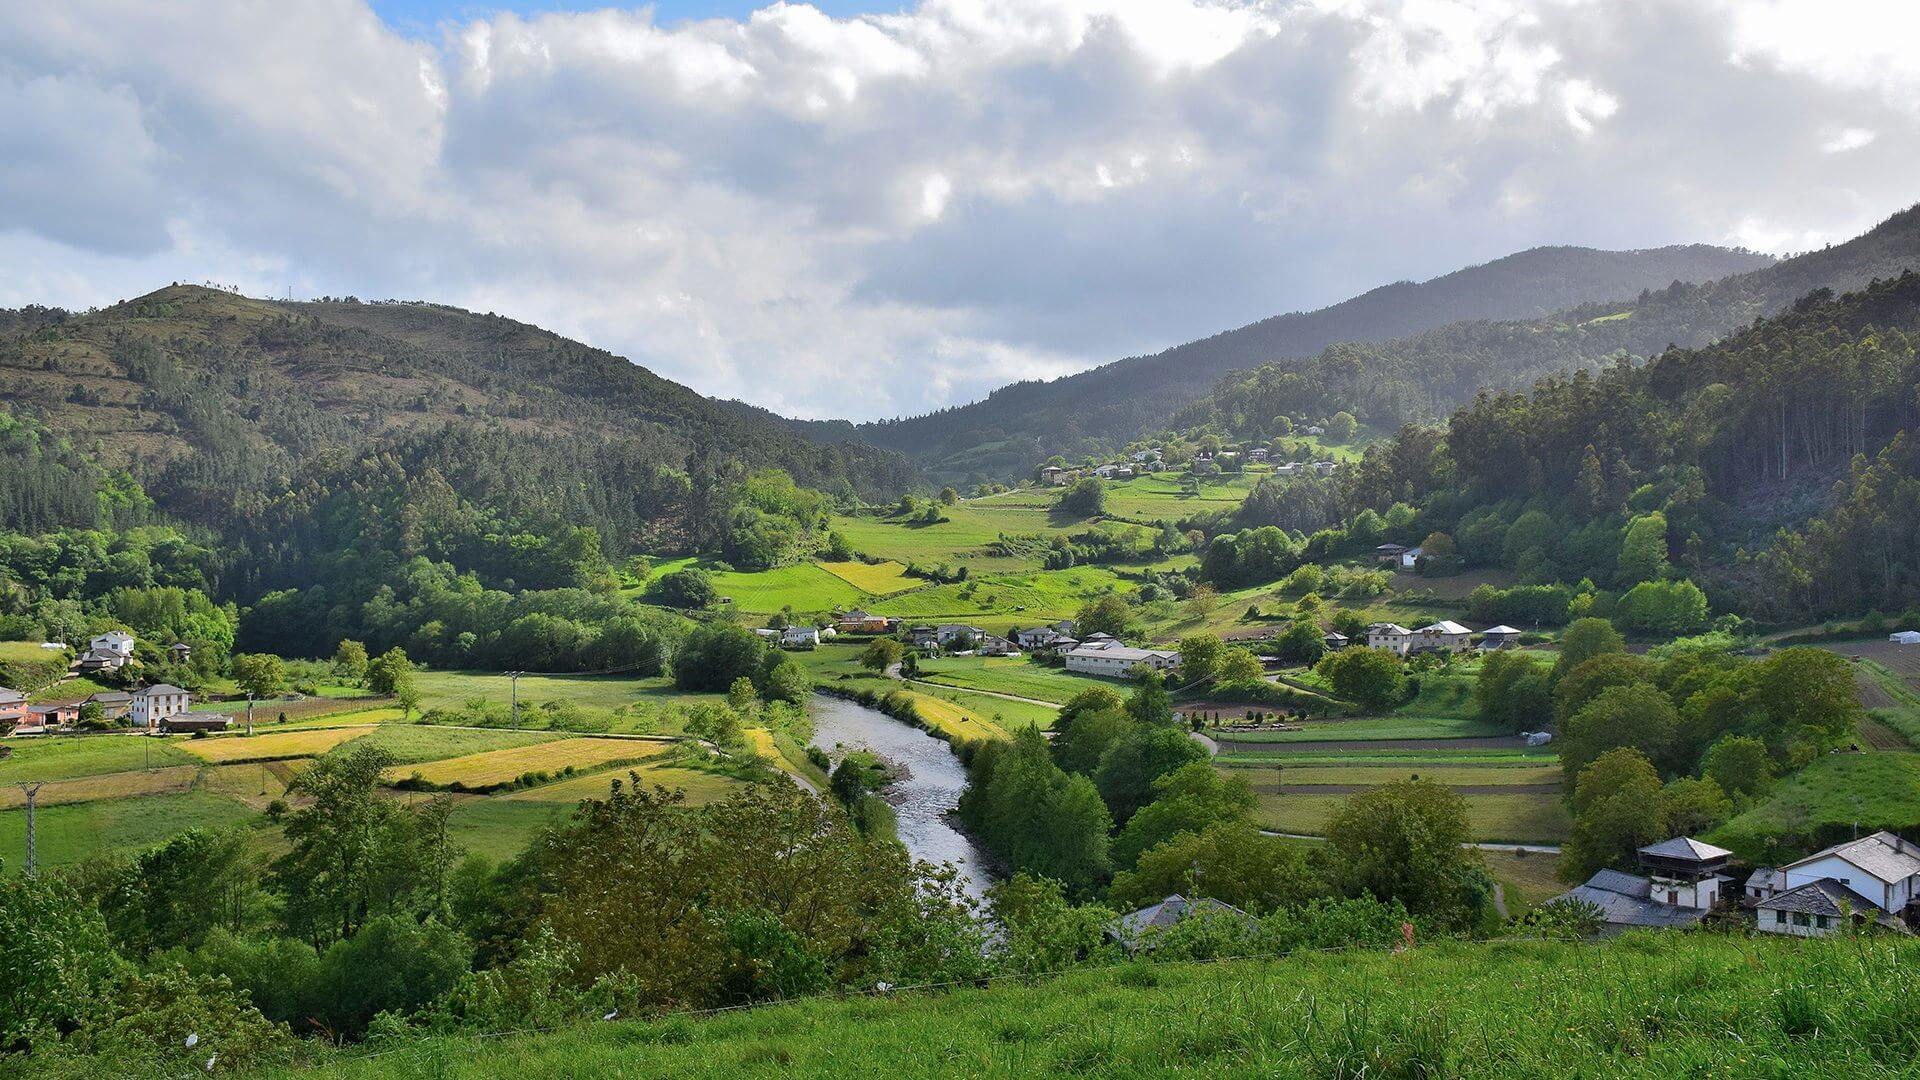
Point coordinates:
[(1150, 704), (1694, 806), (1301, 643), (1202, 599), (55, 956), (1637, 716), (1740, 765), (1374, 679), (1512, 692), (1085, 498), (741, 695), (712, 655), (1200, 657), (406, 690), (690, 588), (1079, 747), (784, 679), (352, 854), (1808, 700), (1241, 666), (388, 671), (350, 661), (1663, 607), (1186, 800), (1406, 841), (1585, 639), (261, 675), (1643, 550), (1106, 615), (1229, 861), (1617, 810), (1094, 699), (1141, 756), (881, 655), (1341, 427)]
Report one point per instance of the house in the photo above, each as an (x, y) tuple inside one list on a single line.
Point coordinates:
[(1499, 637), (1390, 636), (103, 660), (1288, 468), (1905, 637), (995, 645), (13, 707), (922, 637), (799, 637), (1681, 885), (114, 704), (946, 634), (196, 721), (155, 703), (766, 632), (1313, 429), (1763, 883), (46, 717), (1443, 636), (1118, 661), (862, 622), (1334, 640), (1136, 928), (1882, 868), (1325, 468), (1410, 558), (1035, 637), (1257, 455), (113, 641), (1114, 472), (1054, 475), (180, 652), (1389, 553), (1817, 909)]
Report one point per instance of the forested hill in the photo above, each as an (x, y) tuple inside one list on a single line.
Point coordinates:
[(1422, 376), (1019, 424), (230, 410)]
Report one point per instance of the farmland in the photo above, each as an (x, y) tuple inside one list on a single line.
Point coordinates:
[(1009, 675), (289, 744), (59, 759), (411, 743), (491, 768), (78, 831), (875, 579), (1530, 818)]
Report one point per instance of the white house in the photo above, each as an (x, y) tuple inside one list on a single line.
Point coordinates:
[(799, 637), (1118, 661), (1410, 558), (1905, 637), (1313, 429), (1443, 636), (113, 641), (1053, 475), (1390, 636), (1882, 868), (1325, 468), (155, 703), (1499, 637), (947, 633), (1681, 885)]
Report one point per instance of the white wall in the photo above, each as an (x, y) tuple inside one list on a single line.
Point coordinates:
[(1852, 877), (1767, 923)]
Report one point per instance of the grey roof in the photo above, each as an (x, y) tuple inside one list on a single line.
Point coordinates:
[(1884, 855), (1333, 635), (1685, 847), (1445, 626), (1124, 652), (7, 694), (1502, 629), (1622, 901), (159, 688), (1823, 897), (1767, 878), (1394, 629), (1173, 909)]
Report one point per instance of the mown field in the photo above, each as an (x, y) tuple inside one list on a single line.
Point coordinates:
[(1533, 818), (492, 767), (1004, 600), (1010, 675), (1643, 1006), (281, 744)]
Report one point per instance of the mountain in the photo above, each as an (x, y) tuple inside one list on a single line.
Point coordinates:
[(1421, 376), (1022, 423), (228, 409)]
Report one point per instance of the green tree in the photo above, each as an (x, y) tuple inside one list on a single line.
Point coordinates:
[(1200, 657), (1085, 498), (1406, 841), (948, 496), (784, 679), (1638, 717), (741, 695), (690, 588), (55, 956), (1740, 765), (352, 853), (1302, 643), (1374, 679), (1143, 755), (1617, 810), (1150, 704), (1241, 666), (881, 655), (1079, 747), (1585, 639), (712, 655), (1603, 672), (182, 889), (1694, 806), (1186, 800), (1512, 692), (350, 661), (1643, 550), (1341, 427), (261, 675), (1106, 615), (388, 671), (1229, 861)]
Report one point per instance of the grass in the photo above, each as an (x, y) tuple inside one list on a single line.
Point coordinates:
[(594, 694), (1642, 1006), (493, 767), (963, 540), (410, 743), (1009, 675), (1374, 775), (25, 652), (956, 720), (1877, 790), (278, 744), (73, 689), (1528, 880), (876, 579), (64, 757), (1523, 819), (80, 831), (499, 829), (1280, 755), (1004, 713), (802, 587), (1374, 728), (123, 785), (1008, 599), (701, 787)]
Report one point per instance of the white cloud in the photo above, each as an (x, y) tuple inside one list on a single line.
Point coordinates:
[(880, 215)]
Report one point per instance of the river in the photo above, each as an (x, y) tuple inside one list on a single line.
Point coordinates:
[(921, 801)]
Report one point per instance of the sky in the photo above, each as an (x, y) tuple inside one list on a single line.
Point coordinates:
[(832, 211)]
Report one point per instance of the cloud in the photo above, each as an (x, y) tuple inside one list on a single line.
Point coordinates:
[(885, 214)]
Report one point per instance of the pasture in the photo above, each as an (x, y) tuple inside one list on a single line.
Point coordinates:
[(91, 755), (275, 745), (1010, 599), (875, 579), (1532, 818), (1010, 675), (120, 785), (491, 768), (701, 787), (413, 743), (79, 831), (1373, 728), (1877, 790), (593, 693)]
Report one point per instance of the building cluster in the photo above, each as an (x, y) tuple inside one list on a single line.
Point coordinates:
[(158, 708), (1443, 636), (1871, 881), (1144, 462)]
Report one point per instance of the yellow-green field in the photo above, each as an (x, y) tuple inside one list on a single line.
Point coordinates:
[(494, 767), (122, 785), (701, 787), (877, 579), (1526, 819), (279, 744)]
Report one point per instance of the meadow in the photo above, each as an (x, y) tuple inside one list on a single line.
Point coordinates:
[(120, 785), (1643, 1005), (76, 832), (1523, 818), (1829, 795), (280, 744), (1007, 599), (1373, 728), (1009, 675), (490, 768), (411, 743), (62, 758)]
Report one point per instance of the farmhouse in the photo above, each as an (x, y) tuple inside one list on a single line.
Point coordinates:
[(155, 703), (1389, 553), (1499, 637), (1290, 468), (1443, 636), (1313, 429), (1258, 455), (1136, 928), (13, 707), (180, 652), (1410, 558), (799, 637), (103, 660), (922, 637), (1045, 639), (1882, 868), (1054, 475), (48, 716), (862, 622), (1325, 468), (948, 633), (1681, 885), (1334, 640), (995, 645), (113, 641), (1115, 660), (1390, 636), (114, 704)]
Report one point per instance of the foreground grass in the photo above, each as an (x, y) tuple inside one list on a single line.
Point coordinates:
[(1641, 1006)]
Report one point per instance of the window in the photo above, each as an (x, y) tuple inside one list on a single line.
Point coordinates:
[(1820, 921), (1779, 918), (1799, 918)]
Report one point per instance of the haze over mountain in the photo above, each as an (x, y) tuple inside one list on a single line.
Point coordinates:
[(1019, 424)]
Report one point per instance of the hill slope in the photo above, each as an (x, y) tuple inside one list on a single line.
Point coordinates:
[(1118, 399), (1664, 1005), (224, 405)]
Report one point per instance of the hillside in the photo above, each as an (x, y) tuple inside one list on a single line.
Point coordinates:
[(1640, 1006), (222, 406), (1020, 424), (1424, 375)]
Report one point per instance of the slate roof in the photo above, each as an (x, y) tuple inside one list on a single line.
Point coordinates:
[(1170, 911), (160, 688), (1124, 652), (1884, 855), (1823, 897), (1686, 847), (1768, 879), (1502, 630), (1445, 626), (1622, 900), (1388, 628), (11, 695)]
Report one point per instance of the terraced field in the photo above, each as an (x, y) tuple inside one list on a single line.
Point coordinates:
[(494, 767), (875, 579)]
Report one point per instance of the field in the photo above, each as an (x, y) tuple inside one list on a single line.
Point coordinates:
[(802, 587), (79, 831), (1642, 1006), (279, 744), (1008, 599), (876, 579), (120, 785), (962, 540), (1348, 775), (1010, 675), (28, 652), (701, 787), (1529, 880), (598, 695), (1876, 790), (500, 828), (62, 758), (493, 767), (410, 743), (1003, 713), (1534, 818), (1370, 729)]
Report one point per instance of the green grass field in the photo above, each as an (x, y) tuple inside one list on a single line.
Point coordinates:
[(28, 652), (1529, 880), (1374, 775), (501, 828), (411, 743), (596, 694), (493, 767), (1524, 819), (1877, 790), (802, 587), (1373, 728), (1004, 713), (1643, 1006), (1008, 599), (961, 541), (62, 758), (276, 744), (1009, 675), (875, 579), (701, 787), (80, 831)]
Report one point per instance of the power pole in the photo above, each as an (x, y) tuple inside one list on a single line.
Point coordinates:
[(249, 713), (33, 859), (515, 676)]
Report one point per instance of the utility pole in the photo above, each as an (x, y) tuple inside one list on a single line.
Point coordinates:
[(515, 676), (33, 859), (249, 712)]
